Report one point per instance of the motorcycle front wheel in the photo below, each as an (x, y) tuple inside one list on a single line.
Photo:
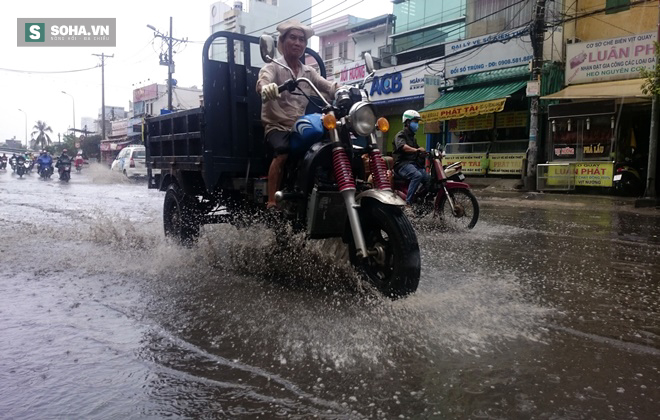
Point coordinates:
[(393, 266), (466, 209)]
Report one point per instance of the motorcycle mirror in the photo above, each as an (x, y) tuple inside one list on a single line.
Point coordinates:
[(369, 63), (267, 47)]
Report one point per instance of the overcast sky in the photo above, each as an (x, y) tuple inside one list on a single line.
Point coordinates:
[(135, 61)]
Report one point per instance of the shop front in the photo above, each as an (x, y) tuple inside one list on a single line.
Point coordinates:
[(601, 120), (483, 122)]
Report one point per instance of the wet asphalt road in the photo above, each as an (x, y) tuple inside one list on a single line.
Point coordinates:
[(548, 309)]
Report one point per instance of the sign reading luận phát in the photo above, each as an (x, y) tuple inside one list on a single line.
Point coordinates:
[(66, 32), (609, 59)]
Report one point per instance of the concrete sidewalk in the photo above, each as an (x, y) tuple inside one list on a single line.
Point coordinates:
[(500, 190)]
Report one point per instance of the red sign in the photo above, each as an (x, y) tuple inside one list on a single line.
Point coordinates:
[(145, 93)]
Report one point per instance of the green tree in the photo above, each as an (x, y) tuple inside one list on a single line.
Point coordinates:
[(651, 85), (43, 140)]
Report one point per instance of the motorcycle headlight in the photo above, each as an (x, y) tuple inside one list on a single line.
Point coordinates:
[(363, 118), (436, 153)]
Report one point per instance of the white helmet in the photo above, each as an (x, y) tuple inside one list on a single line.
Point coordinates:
[(410, 114)]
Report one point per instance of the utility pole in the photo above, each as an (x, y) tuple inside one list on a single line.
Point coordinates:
[(653, 139), (103, 57), (537, 63), (167, 59)]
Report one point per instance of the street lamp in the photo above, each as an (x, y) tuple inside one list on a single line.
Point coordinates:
[(74, 112), (26, 139)]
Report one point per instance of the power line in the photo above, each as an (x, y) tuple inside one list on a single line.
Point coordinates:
[(49, 72)]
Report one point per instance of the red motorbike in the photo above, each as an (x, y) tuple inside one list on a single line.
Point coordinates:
[(78, 163), (445, 197)]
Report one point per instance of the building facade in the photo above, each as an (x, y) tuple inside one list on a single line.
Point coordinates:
[(600, 121)]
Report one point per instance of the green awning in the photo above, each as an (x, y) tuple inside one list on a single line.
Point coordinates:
[(509, 74), (469, 102)]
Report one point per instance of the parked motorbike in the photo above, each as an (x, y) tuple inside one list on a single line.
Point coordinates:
[(64, 169), (627, 181), (449, 200), (323, 190)]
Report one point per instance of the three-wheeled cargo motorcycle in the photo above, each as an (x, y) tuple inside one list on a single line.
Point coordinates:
[(213, 164)]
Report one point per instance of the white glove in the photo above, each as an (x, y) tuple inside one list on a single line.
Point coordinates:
[(269, 92)]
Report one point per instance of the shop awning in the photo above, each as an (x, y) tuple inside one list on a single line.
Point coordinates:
[(470, 102), (603, 90)]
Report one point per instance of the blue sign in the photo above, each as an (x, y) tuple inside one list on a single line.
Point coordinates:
[(386, 84)]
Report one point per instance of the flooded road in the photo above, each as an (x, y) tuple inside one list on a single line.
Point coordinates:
[(549, 308)]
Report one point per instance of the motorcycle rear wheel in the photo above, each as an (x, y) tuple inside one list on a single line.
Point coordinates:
[(466, 205), (181, 217), (395, 268)]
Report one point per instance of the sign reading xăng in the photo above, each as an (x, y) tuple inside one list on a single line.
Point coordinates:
[(66, 32)]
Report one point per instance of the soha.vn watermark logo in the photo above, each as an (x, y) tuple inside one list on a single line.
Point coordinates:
[(67, 32)]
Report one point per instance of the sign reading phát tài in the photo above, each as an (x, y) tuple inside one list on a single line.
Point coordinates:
[(473, 163), (462, 111)]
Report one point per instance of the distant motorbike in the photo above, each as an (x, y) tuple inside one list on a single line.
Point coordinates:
[(3, 163), (64, 169), (21, 166), (78, 163), (12, 163), (446, 197)]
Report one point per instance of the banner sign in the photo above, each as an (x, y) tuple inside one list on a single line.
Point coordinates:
[(506, 163), (480, 122), (145, 93), (511, 119), (485, 53), (462, 111), (473, 163), (586, 174), (399, 83), (350, 73), (609, 59)]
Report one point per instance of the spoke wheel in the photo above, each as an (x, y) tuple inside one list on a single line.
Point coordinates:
[(181, 216), (466, 209), (393, 264)]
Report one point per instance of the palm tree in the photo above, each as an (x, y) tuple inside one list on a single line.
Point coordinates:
[(43, 140)]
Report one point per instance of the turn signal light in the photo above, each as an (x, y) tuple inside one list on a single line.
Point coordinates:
[(383, 124), (329, 121)]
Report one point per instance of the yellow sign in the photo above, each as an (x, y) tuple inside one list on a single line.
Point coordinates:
[(462, 111), (511, 119), (472, 162), (480, 122), (594, 174), (586, 174), (506, 163)]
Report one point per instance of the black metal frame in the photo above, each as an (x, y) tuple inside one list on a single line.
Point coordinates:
[(225, 136)]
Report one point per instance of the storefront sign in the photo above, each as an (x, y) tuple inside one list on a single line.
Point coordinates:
[(596, 174), (463, 111), (564, 152), (506, 163), (489, 52), (609, 59), (511, 119), (119, 128), (586, 174), (399, 83), (351, 73), (473, 163), (480, 122)]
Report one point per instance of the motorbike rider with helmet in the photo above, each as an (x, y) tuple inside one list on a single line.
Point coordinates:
[(64, 157), (408, 156), (280, 111)]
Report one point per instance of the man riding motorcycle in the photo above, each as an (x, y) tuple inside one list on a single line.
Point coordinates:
[(43, 161), (408, 156), (279, 112)]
